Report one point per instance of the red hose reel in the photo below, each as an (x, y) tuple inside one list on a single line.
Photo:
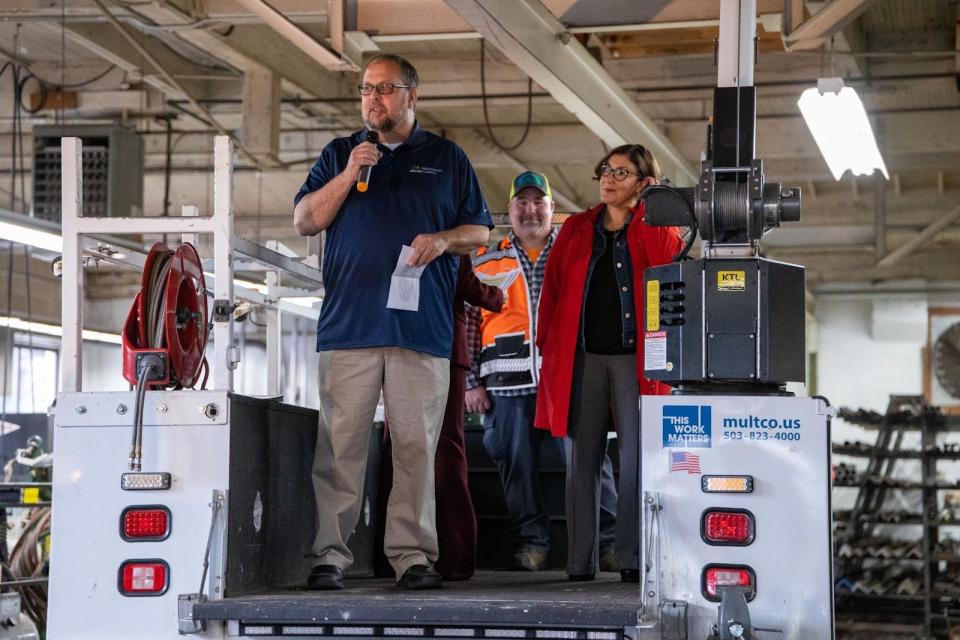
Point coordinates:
[(167, 324)]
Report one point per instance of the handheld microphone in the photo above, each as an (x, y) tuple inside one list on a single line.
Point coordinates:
[(363, 180)]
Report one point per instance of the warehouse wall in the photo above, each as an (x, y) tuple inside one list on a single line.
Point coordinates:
[(871, 346), (856, 366)]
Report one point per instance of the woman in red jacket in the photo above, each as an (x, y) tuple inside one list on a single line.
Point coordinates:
[(590, 334)]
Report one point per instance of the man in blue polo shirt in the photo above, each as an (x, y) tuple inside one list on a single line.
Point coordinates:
[(423, 194)]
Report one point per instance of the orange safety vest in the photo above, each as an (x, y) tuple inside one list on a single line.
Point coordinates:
[(508, 353)]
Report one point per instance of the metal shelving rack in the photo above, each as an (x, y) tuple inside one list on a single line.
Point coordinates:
[(904, 414)]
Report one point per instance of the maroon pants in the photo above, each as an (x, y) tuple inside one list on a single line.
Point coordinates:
[(456, 520)]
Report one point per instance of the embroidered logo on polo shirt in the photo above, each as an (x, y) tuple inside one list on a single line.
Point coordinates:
[(419, 168)]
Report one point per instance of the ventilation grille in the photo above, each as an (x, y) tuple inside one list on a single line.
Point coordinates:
[(96, 180)]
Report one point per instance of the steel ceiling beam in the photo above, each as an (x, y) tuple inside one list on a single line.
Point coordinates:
[(475, 139), (829, 20), (248, 44), (106, 42), (917, 241), (171, 81), (277, 21), (534, 40)]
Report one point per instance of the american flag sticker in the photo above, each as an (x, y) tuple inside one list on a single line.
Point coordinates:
[(683, 461)]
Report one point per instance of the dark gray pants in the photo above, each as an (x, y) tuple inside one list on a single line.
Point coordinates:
[(605, 391), (515, 446)]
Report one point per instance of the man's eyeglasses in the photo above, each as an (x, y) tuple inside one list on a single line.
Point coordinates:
[(619, 174), (384, 88)]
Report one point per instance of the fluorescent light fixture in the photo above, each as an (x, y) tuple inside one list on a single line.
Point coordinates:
[(54, 330), (100, 336), (839, 124), (22, 234), (28, 234)]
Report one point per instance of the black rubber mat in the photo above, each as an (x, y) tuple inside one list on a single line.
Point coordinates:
[(491, 598)]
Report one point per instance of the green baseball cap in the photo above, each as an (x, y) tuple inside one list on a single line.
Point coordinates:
[(530, 179)]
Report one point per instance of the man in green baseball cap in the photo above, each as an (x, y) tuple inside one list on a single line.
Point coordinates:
[(504, 369)]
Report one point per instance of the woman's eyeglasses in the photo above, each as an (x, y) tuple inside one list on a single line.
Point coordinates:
[(619, 174), (384, 88)]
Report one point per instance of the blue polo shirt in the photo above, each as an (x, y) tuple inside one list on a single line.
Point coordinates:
[(425, 185)]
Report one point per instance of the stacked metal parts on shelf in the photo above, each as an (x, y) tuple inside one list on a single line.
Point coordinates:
[(897, 549)]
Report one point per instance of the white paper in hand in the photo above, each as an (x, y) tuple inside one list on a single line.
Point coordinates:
[(405, 283)]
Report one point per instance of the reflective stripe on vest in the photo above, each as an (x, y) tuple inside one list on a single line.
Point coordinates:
[(505, 337)]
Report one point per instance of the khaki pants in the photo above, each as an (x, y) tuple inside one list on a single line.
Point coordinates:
[(414, 388)]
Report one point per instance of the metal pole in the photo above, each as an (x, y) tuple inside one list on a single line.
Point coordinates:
[(274, 334), (880, 214), (305, 346), (296, 361), (738, 29), (71, 280), (190, 211), (226, 354)]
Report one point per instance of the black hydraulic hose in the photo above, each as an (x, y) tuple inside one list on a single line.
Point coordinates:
[(684, 253), (137, 440)]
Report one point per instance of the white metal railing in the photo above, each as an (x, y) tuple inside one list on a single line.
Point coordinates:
[(225, 247)]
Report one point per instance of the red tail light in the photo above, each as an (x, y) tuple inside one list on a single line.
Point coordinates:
[(727, 527), (143, 578), (720, 575), (142, 524)]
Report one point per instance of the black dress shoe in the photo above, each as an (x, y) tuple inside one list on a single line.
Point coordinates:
[(629, 575), (420, 576), (581, 577), (325, 577)]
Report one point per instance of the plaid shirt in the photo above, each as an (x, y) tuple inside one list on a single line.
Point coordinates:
[(533, 272)]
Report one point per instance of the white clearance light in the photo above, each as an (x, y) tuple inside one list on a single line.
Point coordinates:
[(145, 481), (53, 330), (23, 234), (838, 122)]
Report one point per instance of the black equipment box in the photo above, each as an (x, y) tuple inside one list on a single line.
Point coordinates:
[(724, 320)]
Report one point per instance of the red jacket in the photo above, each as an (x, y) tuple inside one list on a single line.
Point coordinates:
[(561, 301)]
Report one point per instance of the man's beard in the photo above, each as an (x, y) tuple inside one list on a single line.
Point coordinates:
[(531, 224), (386, 126)]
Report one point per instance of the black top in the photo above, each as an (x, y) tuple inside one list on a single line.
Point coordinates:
[(603, 328)]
